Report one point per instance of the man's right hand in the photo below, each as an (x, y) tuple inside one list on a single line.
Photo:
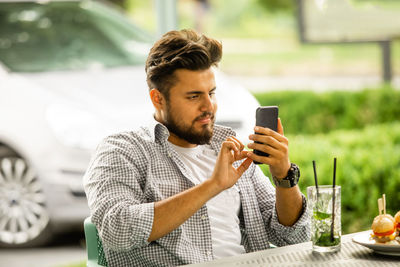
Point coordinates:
[(171, 212), (225, 175)]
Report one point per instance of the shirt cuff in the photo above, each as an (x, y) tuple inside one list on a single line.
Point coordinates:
[(142, 229), (300, 229)]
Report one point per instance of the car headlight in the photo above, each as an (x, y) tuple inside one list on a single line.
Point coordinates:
[(76, 127)]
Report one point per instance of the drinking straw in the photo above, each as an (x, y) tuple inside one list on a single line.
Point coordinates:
[(315, 177), (333, 197)]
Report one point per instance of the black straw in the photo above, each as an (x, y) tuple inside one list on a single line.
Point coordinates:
[(315, 177), (333, 197), (334, 172)]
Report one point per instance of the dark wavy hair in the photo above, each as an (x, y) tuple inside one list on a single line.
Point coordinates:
[(185, 49)]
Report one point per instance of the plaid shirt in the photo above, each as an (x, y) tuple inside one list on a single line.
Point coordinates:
[(132, 170)]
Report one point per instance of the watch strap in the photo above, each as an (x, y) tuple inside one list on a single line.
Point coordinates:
[(290, 180)]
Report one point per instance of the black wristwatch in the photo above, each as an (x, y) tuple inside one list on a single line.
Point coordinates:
[(291, 179)]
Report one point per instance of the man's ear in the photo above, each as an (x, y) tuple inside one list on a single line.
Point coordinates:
[(157, 98)]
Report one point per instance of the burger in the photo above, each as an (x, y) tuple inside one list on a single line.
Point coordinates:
[(384, 228), (397, 221)]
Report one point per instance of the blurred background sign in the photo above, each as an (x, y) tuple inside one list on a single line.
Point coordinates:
[(341, 21), (351, 21)]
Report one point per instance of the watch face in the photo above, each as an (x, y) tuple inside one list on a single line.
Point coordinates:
[(293, 175), (295, 170)]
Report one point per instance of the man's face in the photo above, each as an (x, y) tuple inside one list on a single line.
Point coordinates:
[(189, 113)]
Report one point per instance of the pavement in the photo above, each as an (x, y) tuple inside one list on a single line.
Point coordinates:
[(68, 249), (42, 257)]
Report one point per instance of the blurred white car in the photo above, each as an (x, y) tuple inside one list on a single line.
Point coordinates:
[(71, 72)]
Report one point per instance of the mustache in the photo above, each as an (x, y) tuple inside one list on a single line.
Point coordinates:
[(204, 115)]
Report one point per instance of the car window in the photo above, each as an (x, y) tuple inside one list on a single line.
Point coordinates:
[(69, 35)]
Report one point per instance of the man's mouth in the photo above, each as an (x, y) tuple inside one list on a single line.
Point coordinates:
[(205, 119)]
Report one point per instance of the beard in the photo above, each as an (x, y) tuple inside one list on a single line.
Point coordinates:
[(188, 132)]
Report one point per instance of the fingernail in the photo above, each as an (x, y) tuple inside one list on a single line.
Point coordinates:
[(256, 128)]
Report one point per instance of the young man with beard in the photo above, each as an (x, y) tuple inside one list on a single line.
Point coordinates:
[(182, 190)]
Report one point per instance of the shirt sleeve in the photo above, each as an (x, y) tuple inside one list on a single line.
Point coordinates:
[(278, 234), (116, 198)]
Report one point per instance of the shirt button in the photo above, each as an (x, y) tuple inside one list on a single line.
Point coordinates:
[(203, 217), (208, 253)]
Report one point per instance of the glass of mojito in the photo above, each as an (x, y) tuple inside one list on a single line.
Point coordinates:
[(324, 205)]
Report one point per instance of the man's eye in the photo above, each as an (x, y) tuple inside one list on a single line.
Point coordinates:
[(211, 94), (193, 97)]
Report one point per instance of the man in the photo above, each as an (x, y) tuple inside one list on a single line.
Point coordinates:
[(183, 190)]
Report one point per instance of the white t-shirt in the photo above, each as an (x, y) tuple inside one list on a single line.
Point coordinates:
[(223, 209)]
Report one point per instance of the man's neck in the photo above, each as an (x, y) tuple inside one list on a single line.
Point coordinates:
[(179, 141), (174, 139)]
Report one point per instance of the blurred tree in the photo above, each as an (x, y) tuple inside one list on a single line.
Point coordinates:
[(274, 5)]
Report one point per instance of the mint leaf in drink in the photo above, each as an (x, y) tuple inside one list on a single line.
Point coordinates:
[(318, 215)]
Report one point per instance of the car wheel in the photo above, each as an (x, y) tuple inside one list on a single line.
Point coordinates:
[(24, 219)]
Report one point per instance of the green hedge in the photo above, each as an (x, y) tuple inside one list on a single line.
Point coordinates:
[(305, 112), (368, 165)]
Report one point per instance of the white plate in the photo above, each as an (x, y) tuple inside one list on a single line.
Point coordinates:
[(365, 240)]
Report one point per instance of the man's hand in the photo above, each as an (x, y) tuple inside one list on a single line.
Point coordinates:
[(225, 175), (276, 145), (171, 212), (289, 203)]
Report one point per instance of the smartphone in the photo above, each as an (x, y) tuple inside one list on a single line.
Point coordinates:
[(266, 117)]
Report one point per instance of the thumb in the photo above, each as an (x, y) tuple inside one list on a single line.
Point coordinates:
[(244, 166), (280, 127)]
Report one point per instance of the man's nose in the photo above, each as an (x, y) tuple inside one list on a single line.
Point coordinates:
[(208, 103)]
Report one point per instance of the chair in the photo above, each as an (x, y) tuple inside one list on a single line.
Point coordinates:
[(94, 246)]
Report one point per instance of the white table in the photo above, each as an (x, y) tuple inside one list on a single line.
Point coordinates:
[(351, 254)]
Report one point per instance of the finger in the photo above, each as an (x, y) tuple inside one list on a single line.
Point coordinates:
[(244, 166), (269, 132), (269, 140), (228, 146), (228, 152), (280, 127), (238, 146), (264, 160), (236, 142), (241, 146), (242, 155), (266, 149)]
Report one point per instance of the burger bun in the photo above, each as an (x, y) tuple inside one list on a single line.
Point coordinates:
[(397, 217), (383, 224)]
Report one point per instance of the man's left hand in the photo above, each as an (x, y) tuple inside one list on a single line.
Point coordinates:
[(276, 145)]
